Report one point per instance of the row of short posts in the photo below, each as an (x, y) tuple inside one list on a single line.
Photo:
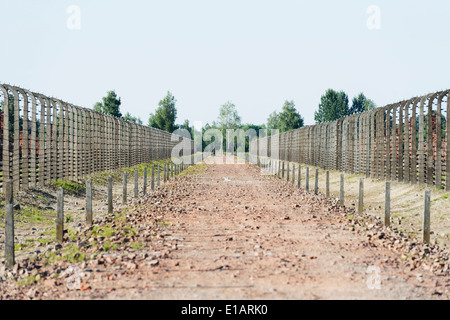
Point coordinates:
[(282, 170), (168, 171)]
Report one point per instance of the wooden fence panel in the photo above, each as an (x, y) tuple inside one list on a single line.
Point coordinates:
[(401, 141)]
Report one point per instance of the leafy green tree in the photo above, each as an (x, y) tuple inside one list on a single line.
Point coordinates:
[(228, 117), (288, 119), (361, 104), (273, 121), (98, 107), (333, 105), (129, 117), (369, 104), (257, 129), (187, 127), (165, 115), (110, 105)]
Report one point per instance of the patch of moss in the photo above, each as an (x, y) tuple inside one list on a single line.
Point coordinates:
[(70, 187), (197, 169), (137, 246), (102, 231), (70, 253), (20, 246), (35, 215), (28, 281), (44, 241)]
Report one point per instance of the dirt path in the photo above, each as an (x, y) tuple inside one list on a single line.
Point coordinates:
[(244, 235)]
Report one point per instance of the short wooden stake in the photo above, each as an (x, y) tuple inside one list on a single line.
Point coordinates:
[(9, 225), (158, 178), (145, 180), (327, 182), (153, 178), (136, 184), (110, 195), (387, 205), (316, 182), (293, 173), (341, 191), (307, 179), (124, 189), (89, 214), (60, 216), (426, 217), (164, 173), (361, 196)]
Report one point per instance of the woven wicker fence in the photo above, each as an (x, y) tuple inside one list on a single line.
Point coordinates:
[(44, 139), (406, 141)]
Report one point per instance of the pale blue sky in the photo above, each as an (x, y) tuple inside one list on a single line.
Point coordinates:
[(256, 54)]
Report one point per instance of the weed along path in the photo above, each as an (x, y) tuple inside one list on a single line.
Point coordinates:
[(228, 232)]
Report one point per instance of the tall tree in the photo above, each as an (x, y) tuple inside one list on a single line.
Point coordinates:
[(288, 119), (187, 127), (273, 122), (369, 104), (333, 105), (360, 104), (110, 105), (165, 115), (228, 117), (129, 117)]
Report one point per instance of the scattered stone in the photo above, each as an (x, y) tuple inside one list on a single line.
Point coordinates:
[(153, 263)]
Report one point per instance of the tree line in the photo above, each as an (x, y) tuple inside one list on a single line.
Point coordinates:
[(333, 105)]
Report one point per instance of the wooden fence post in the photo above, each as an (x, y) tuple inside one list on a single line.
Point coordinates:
[(307, 179), (145, 180), (60, 216), (158, 178), (136, 183), (387, 205), (299, 179), (168, 172), (110, 195), (153, 178), (164, 173), (426, 218), (361, 196), (327, 182), (9, 225), (316, 184), (124, 192), (287, 172), (89, 215), (341, 191), (293, 174)]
